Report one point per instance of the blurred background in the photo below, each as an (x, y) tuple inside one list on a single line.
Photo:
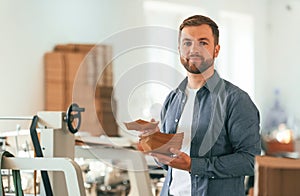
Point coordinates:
[(259, 43)]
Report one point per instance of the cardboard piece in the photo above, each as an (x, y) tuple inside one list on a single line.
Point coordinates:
[(140, 125), (161, 142)]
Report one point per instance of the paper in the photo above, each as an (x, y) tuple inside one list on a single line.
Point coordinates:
[(161, 142), (140, 125)]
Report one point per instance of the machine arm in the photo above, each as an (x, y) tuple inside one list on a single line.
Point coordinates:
[(72, 171)]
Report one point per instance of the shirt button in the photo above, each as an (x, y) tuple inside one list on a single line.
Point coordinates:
[(212, 177), (176, 120), (183, 101), (196, 175)]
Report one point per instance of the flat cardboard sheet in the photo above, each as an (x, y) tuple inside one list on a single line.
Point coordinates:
[(140, 125)]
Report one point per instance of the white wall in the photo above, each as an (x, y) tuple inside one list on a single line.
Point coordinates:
[(226, 14), (282, 70), (276, 42), (30, 28)]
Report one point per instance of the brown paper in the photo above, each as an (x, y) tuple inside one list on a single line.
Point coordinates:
[(161, 142), (140, 125)]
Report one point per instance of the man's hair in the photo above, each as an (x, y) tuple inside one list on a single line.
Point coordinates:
[(197, 20)]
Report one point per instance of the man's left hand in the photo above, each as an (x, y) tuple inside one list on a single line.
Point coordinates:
[(179, 159)]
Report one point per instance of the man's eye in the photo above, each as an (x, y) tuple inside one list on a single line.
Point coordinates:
[(187, 43), (202, 43)]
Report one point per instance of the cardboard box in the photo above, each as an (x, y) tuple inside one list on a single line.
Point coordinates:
[(108, 123), (54, 67), (75, 48), (55, 96), (274, 147), (65, 84), (54, 81)]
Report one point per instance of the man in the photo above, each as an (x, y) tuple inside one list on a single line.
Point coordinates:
[(219, 121)]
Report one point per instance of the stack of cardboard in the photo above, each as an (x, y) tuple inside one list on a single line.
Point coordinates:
[(106, 109), (73, 73)]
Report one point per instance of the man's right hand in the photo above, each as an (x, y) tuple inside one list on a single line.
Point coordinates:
[(147, 132)]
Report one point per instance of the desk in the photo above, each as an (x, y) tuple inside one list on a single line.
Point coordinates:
[(276, 176)]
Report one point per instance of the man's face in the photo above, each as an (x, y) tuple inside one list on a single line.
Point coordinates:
[(197, 49)]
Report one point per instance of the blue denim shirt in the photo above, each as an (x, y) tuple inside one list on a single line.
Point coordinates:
[(225, 136)]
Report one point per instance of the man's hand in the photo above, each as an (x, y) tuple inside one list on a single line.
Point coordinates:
[(179, 160)]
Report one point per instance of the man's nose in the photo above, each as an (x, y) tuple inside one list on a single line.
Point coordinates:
[(195, 48)]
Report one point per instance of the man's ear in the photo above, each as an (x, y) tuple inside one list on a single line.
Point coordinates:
[(216, 52)]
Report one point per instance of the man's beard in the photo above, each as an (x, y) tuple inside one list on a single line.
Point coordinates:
[(197, 67)]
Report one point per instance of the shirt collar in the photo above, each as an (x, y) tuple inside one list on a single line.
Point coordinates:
[(210, 84)]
